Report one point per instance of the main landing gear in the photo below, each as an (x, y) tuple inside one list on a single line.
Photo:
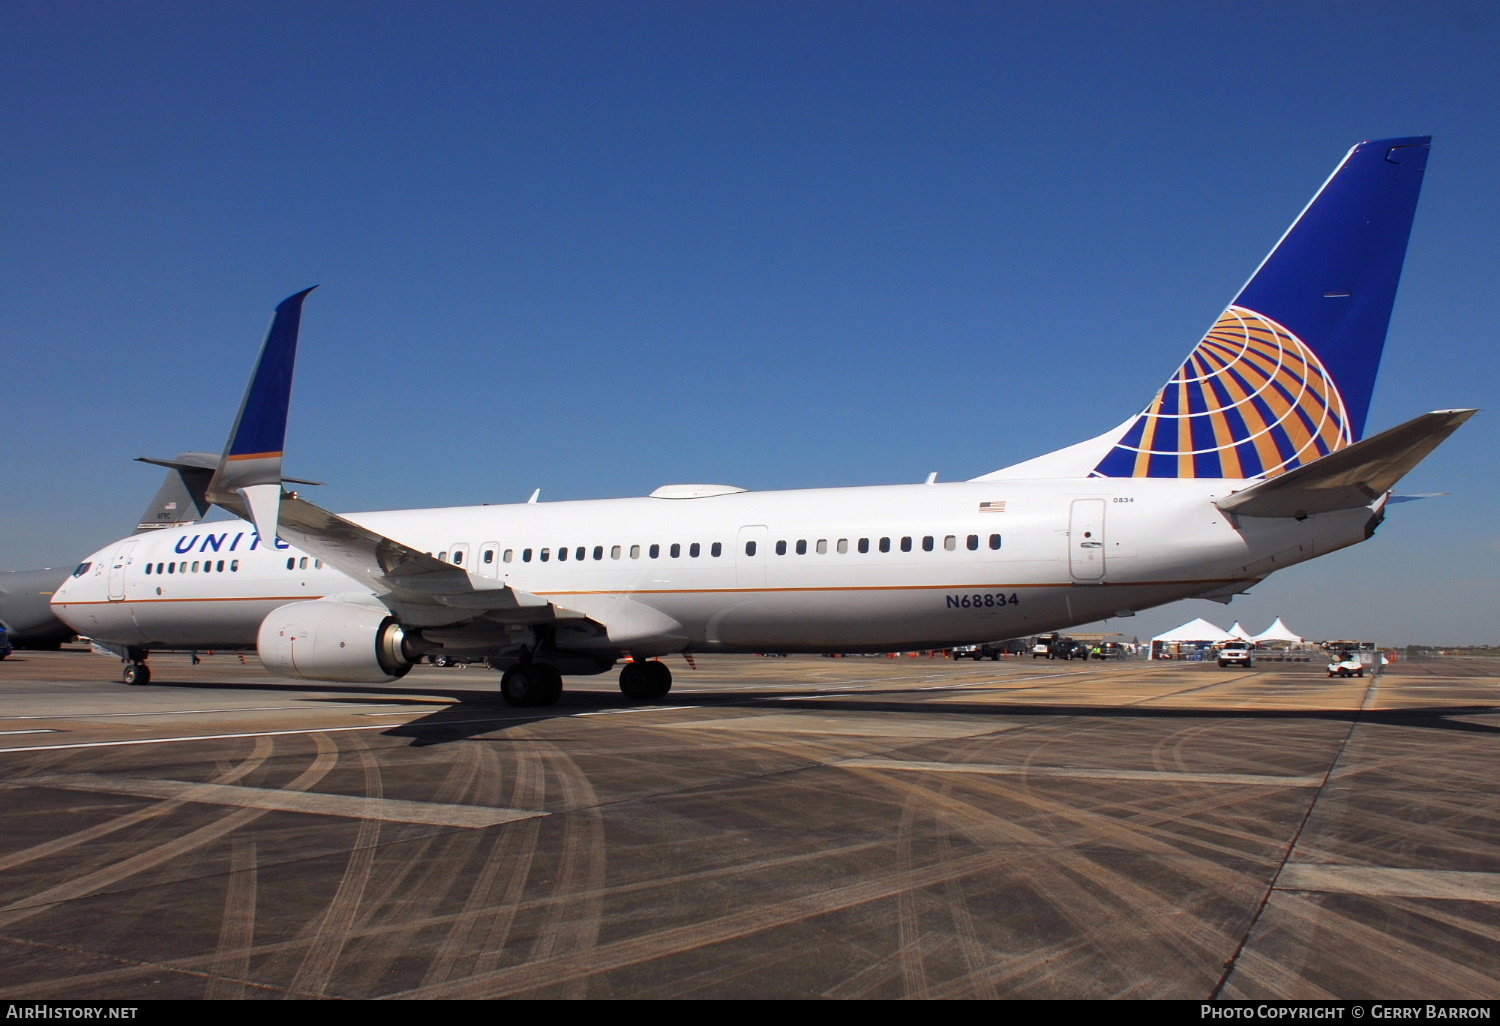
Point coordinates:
[(645, 681), (528, 684), (136, 670)]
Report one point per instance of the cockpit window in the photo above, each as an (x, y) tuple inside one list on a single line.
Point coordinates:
[(83, 568)]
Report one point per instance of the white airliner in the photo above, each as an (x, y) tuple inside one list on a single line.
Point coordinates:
[(1250, 459)]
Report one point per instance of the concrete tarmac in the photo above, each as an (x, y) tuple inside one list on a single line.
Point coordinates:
[(799, 827)]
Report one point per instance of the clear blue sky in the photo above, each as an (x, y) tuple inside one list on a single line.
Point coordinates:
[(599, 247)]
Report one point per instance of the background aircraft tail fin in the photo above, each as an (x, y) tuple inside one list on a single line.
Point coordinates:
[(1286, 373), (247, 480), (183, 495)]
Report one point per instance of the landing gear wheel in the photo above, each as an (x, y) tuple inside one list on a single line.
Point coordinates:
[(518, 686), (531, 684), (440, 660), (137, 673), (551, 683), (645, 681)]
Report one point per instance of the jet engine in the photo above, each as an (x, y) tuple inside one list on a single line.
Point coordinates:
[(336, 641)]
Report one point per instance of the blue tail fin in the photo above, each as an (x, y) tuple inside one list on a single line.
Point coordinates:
[(1285, 375)]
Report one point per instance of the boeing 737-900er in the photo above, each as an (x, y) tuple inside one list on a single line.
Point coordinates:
[(1250, 459)]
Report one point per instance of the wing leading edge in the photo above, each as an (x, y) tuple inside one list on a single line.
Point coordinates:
[(420, 588)]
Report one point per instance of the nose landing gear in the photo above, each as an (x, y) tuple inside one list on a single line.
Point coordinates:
[(136, 670)]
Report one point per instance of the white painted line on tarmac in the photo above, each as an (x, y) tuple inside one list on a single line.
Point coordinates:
[(825, 693), (230, 737), (34, 730), (638, 709), (1065, 772), (388, 810), (162, 712), (1383, 882)]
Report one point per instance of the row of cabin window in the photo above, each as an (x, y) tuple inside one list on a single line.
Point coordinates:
[(197, 566), (929, 544), (674, 551)]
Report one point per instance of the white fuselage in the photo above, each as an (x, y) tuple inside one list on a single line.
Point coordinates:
[(838, 569)]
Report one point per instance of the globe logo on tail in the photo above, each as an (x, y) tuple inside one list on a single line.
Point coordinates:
[(1252, 400)]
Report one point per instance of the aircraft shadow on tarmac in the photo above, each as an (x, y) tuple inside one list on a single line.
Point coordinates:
[(478, 713)]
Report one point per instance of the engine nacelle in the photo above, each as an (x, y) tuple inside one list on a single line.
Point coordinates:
[(336, 641)]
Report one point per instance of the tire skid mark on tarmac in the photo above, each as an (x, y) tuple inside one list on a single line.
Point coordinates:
[(509, 867), (110, 875), (908, 915), (479, 775), (561, 969), (1133, 824), (331, 932), (253, 761), (1077, 881), (1022, 973), (322, 763), (231, 960), (1343, 947), (976, 955), (475, 937), (414, 879), (400, 879), (1175, 742), (573, 918)]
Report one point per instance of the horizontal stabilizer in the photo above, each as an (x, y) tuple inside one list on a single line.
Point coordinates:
[(1413, 498), (183, 496), (209, 461), (1351, 477)]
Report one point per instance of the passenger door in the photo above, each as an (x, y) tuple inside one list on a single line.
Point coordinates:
[(1086, 541), (117, 571)]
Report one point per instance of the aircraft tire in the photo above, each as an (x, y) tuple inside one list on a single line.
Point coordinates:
[(645, 681), (551, 683), (137, 674), (526, 685), (633, 680), (658, 678)]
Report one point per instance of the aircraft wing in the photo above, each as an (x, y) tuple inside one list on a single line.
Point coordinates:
[(247, 482), (400, 574), (1350, 477)]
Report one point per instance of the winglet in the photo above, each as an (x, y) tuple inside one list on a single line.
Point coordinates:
[(248, 478)]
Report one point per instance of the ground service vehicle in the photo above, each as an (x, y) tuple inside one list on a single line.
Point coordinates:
[(1237, 655)]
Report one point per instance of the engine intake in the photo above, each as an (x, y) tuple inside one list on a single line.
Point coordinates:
[(335, 641)]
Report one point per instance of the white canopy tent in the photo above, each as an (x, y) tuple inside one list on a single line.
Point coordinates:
[(1196, 630), (1197, 633), (1278, 631), (1240, 632)]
